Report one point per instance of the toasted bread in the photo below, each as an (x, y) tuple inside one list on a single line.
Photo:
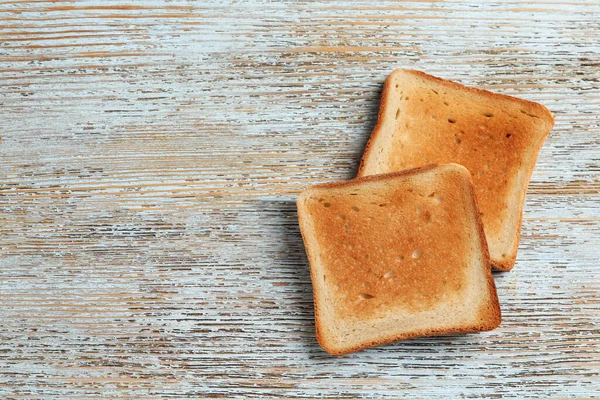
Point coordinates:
[(397, 256), (424, 120)]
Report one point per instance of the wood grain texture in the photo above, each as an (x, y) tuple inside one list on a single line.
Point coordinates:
[(150, 156)]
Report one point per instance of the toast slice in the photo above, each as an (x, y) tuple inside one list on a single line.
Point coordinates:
[(424, 120), (397, 256)]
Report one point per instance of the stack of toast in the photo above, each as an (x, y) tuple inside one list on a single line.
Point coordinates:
[(406, 248)]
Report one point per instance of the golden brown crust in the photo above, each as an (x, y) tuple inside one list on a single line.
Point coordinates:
[(494, 308), (416, 334), (314, 201), (387, 86), (310, 257), (374, 178), (495, 149)]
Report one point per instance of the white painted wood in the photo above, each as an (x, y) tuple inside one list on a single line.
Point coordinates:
[(150, 156)]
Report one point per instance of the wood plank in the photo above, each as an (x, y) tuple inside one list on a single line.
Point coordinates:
[(150, 156)]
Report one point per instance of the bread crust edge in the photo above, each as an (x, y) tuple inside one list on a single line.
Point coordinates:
[(492, 313)]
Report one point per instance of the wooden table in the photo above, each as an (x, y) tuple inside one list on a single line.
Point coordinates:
[(150, 156)]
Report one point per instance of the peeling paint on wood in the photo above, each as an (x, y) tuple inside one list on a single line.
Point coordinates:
[(150, 156)]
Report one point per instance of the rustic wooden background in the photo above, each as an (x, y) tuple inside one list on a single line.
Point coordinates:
[(150, 156)]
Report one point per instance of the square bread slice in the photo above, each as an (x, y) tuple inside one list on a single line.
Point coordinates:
[(425, 120), (397, 256)]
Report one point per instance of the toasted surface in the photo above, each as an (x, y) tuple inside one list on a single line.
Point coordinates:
[(397, 256), (424, 120)]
